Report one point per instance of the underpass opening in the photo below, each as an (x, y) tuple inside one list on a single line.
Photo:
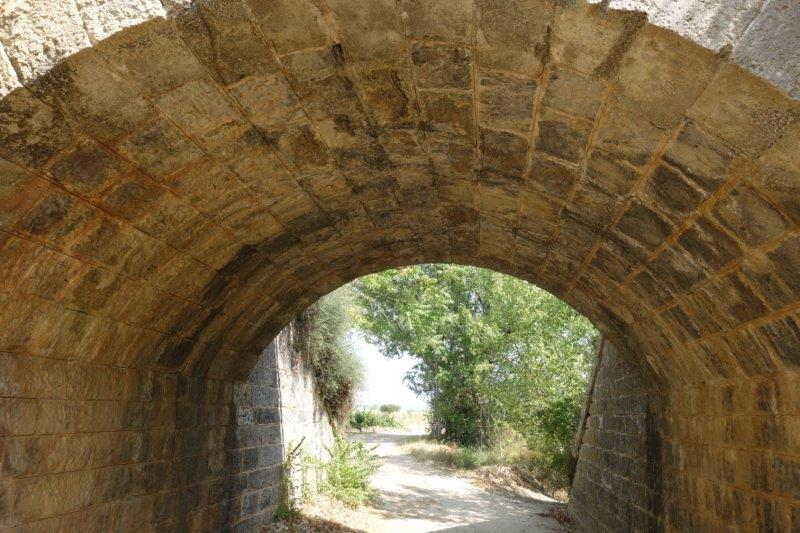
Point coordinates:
[(175, 192)]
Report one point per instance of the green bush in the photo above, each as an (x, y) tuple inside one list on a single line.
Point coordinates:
[(364, 419), (389, 408), (346, 474), (323, 342)]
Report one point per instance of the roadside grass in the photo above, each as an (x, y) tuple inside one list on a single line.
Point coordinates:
[(510, 450)]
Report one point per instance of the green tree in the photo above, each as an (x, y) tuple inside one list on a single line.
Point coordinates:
[(489, 348), (323, 341)]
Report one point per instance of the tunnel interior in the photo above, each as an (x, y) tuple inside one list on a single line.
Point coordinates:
[(173, 192)]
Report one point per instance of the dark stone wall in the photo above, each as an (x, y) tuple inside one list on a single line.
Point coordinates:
[(116, 449), (618, 483)]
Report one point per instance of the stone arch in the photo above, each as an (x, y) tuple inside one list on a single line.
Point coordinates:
[(174, 193)]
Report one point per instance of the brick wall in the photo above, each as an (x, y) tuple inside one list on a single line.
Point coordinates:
[(618, 484)]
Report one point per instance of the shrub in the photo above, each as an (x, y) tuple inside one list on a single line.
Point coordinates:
[(389, 408), (346, 474), (323, 342), (364, 419)]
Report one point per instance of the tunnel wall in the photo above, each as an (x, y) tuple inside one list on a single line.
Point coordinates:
[(175, 189), (618, 483), (96, 448)]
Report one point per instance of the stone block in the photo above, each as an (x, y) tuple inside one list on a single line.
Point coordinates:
[(88, 169), (159, 149), (592, 39), (103, 18), (787, 256), (452, 113), (749, 216), (224, 37), (36, 36), (512, 35), (561, 136), (743, 110), (783, 338), (154, 55), (31, 132), (610, 173), (102, 102), (197, 108), (673, 193), (757, 270), (18, 192), (442, 67), (779, 172), (627, 136), (661, 75), (574, 94), (383, 42), (552, 178), (505, 152), (710, 244), (439, 20), (290, 25), (506, 103), (644, 225)]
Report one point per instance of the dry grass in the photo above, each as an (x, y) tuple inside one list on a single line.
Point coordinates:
[(510, 462)]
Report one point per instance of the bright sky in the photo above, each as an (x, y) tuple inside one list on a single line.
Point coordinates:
[(384, 378)]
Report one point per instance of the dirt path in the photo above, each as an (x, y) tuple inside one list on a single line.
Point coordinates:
[(415, 496)]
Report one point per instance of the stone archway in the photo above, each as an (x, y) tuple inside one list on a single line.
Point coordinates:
[(174, 192)]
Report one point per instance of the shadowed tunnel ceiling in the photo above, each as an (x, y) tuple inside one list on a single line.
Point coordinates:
[(171, 195)]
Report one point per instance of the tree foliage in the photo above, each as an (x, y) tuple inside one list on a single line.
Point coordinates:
[(323, 341), (490, 349)]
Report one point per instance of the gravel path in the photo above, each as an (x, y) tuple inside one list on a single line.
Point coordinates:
[(414, 496)]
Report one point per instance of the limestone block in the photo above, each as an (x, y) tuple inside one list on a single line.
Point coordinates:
[(708, 23), (36, 35), (103, 18), (31, 132), (701, 157), (153, 55), (88, 169), (504, 151), (747, 112), (160, 148), (441, 67), (624, 134), (291, 25), (553, 178), (369, 32), (707, 242), (562, 136), (506, 102), (609, 173), (673, 193), (644, 225), (749, 216), (18, 192), (591, 39), (105, 104), (660, 75), (224, 37), (779, 172), (8, 76), (439, 20), (771, 45), (512, 35)]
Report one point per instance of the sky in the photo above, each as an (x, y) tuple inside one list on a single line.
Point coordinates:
[(384, 378)]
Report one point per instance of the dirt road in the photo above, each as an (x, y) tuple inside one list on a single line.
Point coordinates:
[(415, 496)]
